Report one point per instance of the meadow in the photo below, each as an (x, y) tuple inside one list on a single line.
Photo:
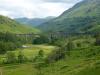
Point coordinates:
[(30, 51), (82, 61)]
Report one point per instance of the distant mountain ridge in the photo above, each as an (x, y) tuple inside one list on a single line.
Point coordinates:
[(33, 21), (9, 25), (83, 17)]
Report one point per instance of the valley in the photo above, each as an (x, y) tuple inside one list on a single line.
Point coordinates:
[(65, 45)]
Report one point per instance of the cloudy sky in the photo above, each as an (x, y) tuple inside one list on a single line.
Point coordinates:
[(34, 8)]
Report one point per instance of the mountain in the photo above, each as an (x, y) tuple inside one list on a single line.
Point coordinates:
[(9, 25), (33, 21), (83, 17)]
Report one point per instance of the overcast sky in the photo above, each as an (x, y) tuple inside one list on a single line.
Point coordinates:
[(34, 8)]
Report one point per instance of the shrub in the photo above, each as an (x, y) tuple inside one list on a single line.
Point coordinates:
[(21, 57), (56, 55), (11, 58), (39, 57)]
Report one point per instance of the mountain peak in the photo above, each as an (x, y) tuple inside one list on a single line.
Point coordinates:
[(9, 25), (82, 17), (34, 21)]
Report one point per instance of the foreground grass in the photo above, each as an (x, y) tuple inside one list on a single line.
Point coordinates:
[(21, 69), (62, 67), (81, 62)]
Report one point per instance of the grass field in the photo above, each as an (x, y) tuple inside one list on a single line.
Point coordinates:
[(31, 51), (63, 67), (81, 62), (21, 69), (27, 68)]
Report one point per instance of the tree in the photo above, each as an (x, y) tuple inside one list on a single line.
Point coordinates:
[(11, 58), (97, 42), (40, 40), (39, 57), (70, 46), (56, 55), (21, 57), (8, 42), (41, 53), (2, 47)]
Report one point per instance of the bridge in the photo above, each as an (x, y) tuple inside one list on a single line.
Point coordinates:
[(28, 35), (59, 34)]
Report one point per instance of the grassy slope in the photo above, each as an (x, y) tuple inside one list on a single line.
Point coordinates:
[(33, 22), (22, 69), (84, 61), (9, 25), (82, 9), (28, 68), (80, 63), (83, 15)]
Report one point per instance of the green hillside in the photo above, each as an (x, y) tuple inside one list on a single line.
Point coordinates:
[(83, 60), (52, 52), (34, 22), (83, 17), (9, 25)]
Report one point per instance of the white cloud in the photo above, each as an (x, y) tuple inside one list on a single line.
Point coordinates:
[(68, 1), (3, 12), (33, 8)]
